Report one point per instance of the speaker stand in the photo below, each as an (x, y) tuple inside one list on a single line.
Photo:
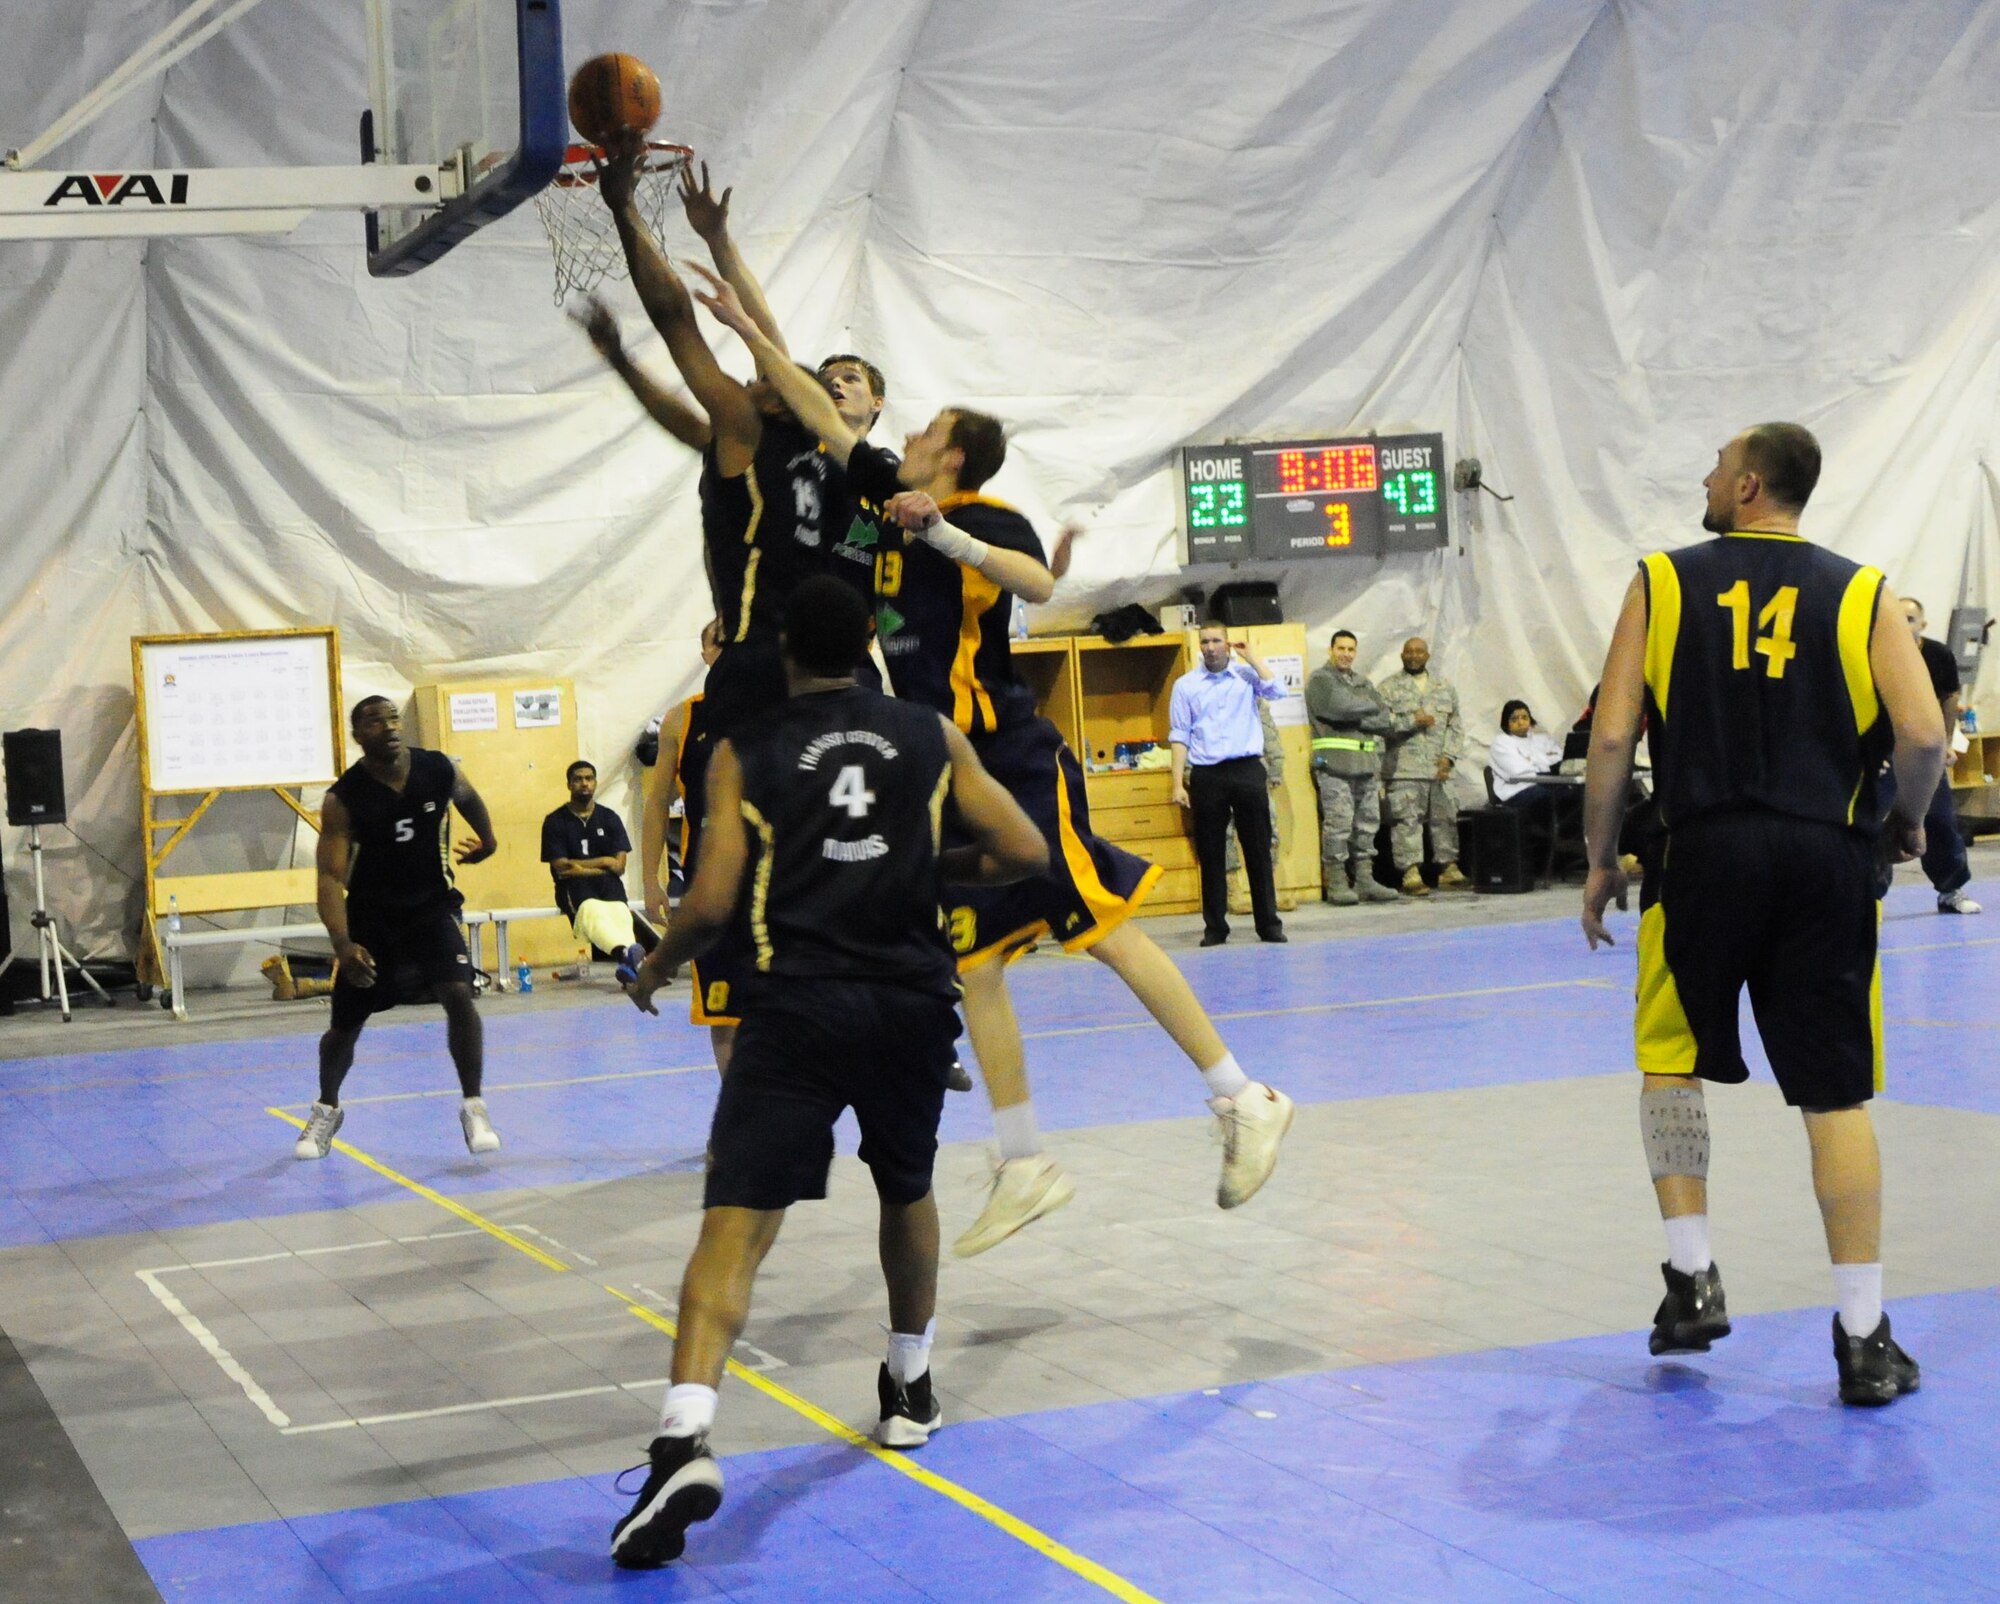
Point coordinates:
[(48, 945)]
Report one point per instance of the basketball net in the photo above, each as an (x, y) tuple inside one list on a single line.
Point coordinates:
[(581, 229)]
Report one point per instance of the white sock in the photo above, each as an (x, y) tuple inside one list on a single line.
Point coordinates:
[(1017, 1133), (1687, 1244), (1225, 1077), (1857, 1288), (910, 1355), (688, 1411)]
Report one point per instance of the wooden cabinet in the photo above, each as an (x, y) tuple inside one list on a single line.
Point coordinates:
[(517, 766), (1102, 695), (1975, 785)]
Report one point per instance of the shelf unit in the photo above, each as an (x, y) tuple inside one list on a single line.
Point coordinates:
[(1975, 785), (1100, 694)]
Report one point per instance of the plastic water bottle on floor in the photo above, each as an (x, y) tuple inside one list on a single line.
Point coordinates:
[(524, 978)]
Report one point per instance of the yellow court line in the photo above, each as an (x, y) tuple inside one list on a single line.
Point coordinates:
[(429, 1196), (1016, 1528)]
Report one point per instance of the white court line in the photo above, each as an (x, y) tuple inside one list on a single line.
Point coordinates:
[(215, 1350), (307, 1253), (234, 1369), (473, 1408), (515, 1086)]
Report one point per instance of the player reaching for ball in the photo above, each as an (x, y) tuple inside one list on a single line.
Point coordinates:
[(943, 603)]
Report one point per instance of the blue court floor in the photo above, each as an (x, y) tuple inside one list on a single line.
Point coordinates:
[(1544, 1457)]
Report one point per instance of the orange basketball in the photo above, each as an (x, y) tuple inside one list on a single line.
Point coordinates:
[(613, 95)]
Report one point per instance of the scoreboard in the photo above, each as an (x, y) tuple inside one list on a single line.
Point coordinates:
[(1314, 498)]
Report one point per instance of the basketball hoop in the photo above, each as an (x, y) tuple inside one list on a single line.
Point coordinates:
[(581, 230)]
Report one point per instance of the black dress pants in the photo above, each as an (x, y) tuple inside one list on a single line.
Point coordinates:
[(1219, 793)]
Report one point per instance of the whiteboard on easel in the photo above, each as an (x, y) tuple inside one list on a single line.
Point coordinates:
[(239, 710)]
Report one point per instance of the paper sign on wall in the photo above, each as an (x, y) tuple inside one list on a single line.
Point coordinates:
[(1289, 669), (475, 710), (535, 710)]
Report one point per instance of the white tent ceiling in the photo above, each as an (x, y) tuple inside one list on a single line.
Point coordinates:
[(1586, 240)]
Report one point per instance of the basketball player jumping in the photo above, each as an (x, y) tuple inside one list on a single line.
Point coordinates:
[(828, 814), (943, 604), (1773, 676), (773, 508), (386, 898)]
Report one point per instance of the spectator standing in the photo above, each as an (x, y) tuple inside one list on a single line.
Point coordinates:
[(1218, 753), (1425, 740), (1349, 720)]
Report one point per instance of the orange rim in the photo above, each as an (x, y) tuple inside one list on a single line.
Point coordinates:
[(579, 169)]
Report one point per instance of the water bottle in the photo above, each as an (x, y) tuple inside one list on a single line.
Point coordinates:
[(174, 915), (1969, 718), (524, 978), (1018, 628), (582, 963)]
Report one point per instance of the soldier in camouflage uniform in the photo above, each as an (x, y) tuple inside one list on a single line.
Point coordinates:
[(1349, 721), (1425, 740)]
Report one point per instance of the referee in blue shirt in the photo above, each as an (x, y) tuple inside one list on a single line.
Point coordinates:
[(1218, 743)]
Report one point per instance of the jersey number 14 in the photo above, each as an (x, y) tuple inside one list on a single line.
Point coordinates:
[(1778, 647)]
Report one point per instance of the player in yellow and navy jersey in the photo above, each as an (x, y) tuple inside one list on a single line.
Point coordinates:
[(1772, 677), (944, 596)]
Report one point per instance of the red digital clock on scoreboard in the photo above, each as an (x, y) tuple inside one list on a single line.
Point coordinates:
[(1311, 498)]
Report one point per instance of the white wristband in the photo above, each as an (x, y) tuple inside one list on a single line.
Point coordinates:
[(954, 543)]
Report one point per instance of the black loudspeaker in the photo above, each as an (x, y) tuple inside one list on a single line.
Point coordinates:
[(1249, 601), (1491, 850), (34, 777)]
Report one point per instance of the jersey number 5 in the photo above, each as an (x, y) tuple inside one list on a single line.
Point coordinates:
[(850, 791), (406, 829), (1778, 647)]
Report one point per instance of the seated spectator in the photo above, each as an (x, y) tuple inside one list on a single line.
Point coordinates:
[(584, 846), (1521, 754)]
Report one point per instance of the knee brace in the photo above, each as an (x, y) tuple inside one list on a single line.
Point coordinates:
[(1674, 1123)]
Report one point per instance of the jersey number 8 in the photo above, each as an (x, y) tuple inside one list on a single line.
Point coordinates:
[(1778, 647)]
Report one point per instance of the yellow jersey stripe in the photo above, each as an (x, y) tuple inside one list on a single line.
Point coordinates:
[(760, 891), (978, 594), (756, 551), (1663, 625), (1856, 626)]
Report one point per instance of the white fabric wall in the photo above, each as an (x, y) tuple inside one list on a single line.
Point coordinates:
[(1587, 240)]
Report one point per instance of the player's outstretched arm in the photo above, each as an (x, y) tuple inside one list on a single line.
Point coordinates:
[(664, 407), (709, 218), (1007, 846), (718, 880), (1614, 738), (472, 808), (800, 390), (1015, 572), (333, 859), (1916, 716), (732, 415)]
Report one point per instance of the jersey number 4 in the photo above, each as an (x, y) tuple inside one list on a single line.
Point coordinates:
[(1778, 647), (850, 791)]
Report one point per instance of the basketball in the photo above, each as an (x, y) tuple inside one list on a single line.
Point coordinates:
[(612, 95)]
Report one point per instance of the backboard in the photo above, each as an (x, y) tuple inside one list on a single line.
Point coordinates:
[(476, 83)]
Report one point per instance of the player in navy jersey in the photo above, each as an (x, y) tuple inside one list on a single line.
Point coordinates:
[(1771, 676), (943, 603), (774, 510), (387, 898), (828, 817)]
